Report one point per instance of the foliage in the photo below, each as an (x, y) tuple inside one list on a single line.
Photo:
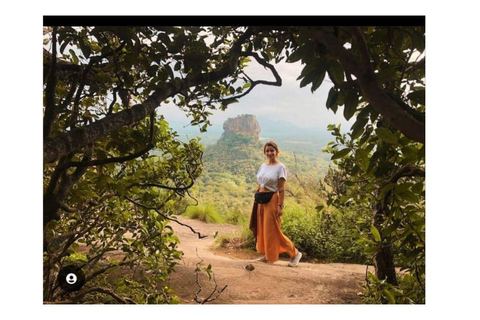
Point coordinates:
[(387, 179), (381, 163), (389, 71), (117, 216), (380, 292), (113, 187), (327, 236)]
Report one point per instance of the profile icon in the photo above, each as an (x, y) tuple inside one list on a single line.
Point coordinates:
[(71, 278)]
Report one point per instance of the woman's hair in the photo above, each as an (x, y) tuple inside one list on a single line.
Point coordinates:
[(271, 144)]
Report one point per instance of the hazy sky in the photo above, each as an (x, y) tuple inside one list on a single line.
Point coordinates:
[(288, 103)]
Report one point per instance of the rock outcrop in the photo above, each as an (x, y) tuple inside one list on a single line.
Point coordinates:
[(246, 124)]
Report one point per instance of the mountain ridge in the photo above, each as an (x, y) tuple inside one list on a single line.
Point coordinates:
[(290, 137)]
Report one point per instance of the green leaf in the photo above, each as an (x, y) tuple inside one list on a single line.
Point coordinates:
[(375, 233), (74, 56), (169, 71), (340, 154), (351, 103), (391, 228), (308, 78), (408, 196), (332, 99), (358, 127), (319, 80), (390, 296), (177, 66), (388, 187), (297, 55), (309, 67), (335, 71), (86, 50), (64, 45), (417, 96), (362, 156), (418, 40), (405, 186), (209, 271), (418, 188), (410, 153), (386, 135)]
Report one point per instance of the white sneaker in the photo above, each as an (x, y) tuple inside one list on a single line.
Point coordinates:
[(294, 261), (262, 259)]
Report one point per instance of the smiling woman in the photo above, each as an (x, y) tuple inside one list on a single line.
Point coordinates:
[(266, 215)]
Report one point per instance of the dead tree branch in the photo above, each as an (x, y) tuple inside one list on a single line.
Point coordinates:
[(200, 236), (210, 297)]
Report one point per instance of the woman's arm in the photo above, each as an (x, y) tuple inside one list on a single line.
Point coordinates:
[(282, 184)]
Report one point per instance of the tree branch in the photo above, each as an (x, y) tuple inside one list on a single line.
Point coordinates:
[(71, 92), (406, 171), (132, 156), (184, 188), (103, 270), (57, 191), (277, 82), (76, 104)]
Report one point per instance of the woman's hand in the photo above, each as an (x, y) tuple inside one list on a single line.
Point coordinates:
[(279, 211)]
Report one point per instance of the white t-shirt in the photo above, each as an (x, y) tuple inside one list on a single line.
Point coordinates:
[(267, 176)]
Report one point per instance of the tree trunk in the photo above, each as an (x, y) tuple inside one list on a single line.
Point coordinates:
[(384, 266), (50, 209)]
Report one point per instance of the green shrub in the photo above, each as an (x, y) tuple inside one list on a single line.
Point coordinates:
[(303, 229), (236, 216), (408, 290), (328, 236), (206, 213)]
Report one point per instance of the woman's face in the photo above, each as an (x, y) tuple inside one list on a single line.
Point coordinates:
[(270, 152)]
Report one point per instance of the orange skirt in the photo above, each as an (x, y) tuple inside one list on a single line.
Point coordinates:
[(270, 239)]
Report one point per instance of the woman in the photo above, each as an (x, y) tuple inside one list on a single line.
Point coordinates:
[(272, 177)]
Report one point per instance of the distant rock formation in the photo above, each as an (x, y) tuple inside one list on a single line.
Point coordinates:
[(246, 124)]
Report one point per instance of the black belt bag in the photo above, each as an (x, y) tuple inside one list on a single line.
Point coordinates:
[(263, 197)]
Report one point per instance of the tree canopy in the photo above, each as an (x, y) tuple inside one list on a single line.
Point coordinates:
[(103, 91)]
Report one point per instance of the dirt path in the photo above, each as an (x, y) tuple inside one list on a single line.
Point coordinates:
[(267, 284)]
